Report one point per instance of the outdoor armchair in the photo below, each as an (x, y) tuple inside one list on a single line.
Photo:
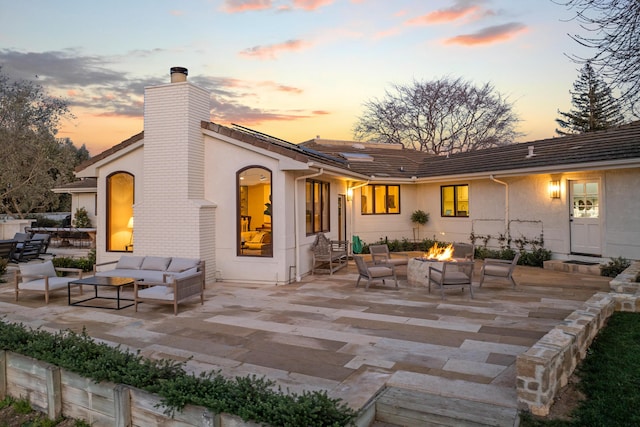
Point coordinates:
[(43, 278), (374, 272), (380, 255), (452, 274), (501, 268)]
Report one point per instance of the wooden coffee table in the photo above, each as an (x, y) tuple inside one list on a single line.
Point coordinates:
[(97, 282)]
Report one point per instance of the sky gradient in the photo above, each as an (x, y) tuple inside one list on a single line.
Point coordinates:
[(295, 69)]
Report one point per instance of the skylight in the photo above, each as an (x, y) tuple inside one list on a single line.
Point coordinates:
[(357, 157)]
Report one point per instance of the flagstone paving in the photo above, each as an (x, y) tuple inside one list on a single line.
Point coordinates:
[(324, 334)]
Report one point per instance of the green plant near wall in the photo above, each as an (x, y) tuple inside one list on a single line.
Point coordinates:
[(419, 217), (614, 267), (251, 397), (81, 219)]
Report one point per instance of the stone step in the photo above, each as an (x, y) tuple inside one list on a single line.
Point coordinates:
[(411, 408)]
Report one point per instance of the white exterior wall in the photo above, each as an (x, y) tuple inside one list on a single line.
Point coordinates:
[(622, 203), (87, 201), (131, 163), (172, 217)]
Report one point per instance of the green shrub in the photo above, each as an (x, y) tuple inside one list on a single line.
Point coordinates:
[(250, 398), (85, 263), (42, 221), (535, 258), (3, 268), (81, 219), (614, 267)]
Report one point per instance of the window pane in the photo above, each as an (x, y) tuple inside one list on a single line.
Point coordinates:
[(380, 199), (255, 212), (325, 207), (367, 199), (393, 199), (462, 195), (309, 207), (447, 201), (120, 212)]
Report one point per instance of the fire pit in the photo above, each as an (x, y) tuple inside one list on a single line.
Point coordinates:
[(418, 268)]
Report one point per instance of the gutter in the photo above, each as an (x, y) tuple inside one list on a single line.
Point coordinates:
[(296, 232), (506, 201)]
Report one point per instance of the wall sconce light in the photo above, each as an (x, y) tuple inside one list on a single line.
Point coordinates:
[(349, 194), (554, 189)]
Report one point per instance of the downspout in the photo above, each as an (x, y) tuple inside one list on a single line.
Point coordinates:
[(295, 220), (506, 202)]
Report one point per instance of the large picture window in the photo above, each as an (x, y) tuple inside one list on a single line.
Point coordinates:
[(380, 199), (120, 212), (254, 212), (317, 207), (454, 200)]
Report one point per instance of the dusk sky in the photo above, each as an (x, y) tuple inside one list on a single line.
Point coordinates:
[(293, 69)]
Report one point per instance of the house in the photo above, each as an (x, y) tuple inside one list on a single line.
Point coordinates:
[(250, 204)]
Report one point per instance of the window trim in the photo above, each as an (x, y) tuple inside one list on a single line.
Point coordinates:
[(239, 213), (323, 228), (108, 204), (373, 200), (456, 213)]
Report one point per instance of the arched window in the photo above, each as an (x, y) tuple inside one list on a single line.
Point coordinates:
[(254, 212), (120, 199)]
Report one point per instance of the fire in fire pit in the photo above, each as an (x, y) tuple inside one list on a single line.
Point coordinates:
[(440, 253)]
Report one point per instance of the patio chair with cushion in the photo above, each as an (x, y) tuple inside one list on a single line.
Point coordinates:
[(43, 278), (380, 255), (376, 271), (463, 251), (7, 247), (452, 274), (501, 268), (27, 250)]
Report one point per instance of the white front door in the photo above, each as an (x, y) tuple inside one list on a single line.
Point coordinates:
[(586, 237)]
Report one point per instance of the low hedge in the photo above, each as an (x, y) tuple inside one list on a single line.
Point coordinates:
[(251, 398)]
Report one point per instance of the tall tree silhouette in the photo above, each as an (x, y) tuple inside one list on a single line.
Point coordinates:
[(594, 106)]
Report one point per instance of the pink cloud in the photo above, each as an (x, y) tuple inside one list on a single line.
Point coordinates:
[(444, 15), (489, 35), (320, 112), (234, 6), (272, 51), (311, 4), (280, 87)]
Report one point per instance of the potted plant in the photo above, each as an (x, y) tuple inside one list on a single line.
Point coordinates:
[(419, 217)]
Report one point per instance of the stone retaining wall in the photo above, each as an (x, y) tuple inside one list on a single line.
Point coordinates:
[(546, 367)]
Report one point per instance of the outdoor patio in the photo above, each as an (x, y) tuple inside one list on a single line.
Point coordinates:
[(325, 334)]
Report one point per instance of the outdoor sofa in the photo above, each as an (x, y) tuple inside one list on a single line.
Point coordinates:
[(163, 280)]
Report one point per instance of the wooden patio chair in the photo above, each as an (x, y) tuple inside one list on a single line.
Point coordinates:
[(452, 274), (501, 268), (374, 272), (380, 255)]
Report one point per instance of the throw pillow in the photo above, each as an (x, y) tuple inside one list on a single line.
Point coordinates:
[(180, 264), (130, 262), (155, 263)]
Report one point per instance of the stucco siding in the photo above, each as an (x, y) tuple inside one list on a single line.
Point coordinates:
[(622, 201)]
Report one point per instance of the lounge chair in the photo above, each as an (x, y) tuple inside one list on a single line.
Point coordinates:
[(43, 278), (374, 272), (500, 268), (380, 255), (452, 274)]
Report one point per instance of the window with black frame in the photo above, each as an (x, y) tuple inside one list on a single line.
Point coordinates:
[(255, 212), (380, 199), (454, 200), (317, 207)]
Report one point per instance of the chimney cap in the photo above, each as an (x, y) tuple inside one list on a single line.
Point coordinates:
[(179, 74)]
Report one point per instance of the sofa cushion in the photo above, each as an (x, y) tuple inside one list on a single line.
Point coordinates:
[(130, 262), (183, 274), (182, 264), (155, 263), (150, 275), (39, 269), (157, 292), (38, 284)]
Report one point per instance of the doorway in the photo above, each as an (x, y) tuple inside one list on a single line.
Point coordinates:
[(342, 217), (585, 216)]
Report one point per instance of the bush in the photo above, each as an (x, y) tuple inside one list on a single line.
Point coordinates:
[(81, 219), (86, 264), (250, 398), (42, 221), (3, 268), (614, 267)]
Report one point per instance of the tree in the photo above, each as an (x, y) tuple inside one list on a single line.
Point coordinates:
[(613, 28), (441, 116), (595, 108), (33, 160)]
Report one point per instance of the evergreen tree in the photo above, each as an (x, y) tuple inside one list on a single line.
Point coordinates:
[(594, 106)]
